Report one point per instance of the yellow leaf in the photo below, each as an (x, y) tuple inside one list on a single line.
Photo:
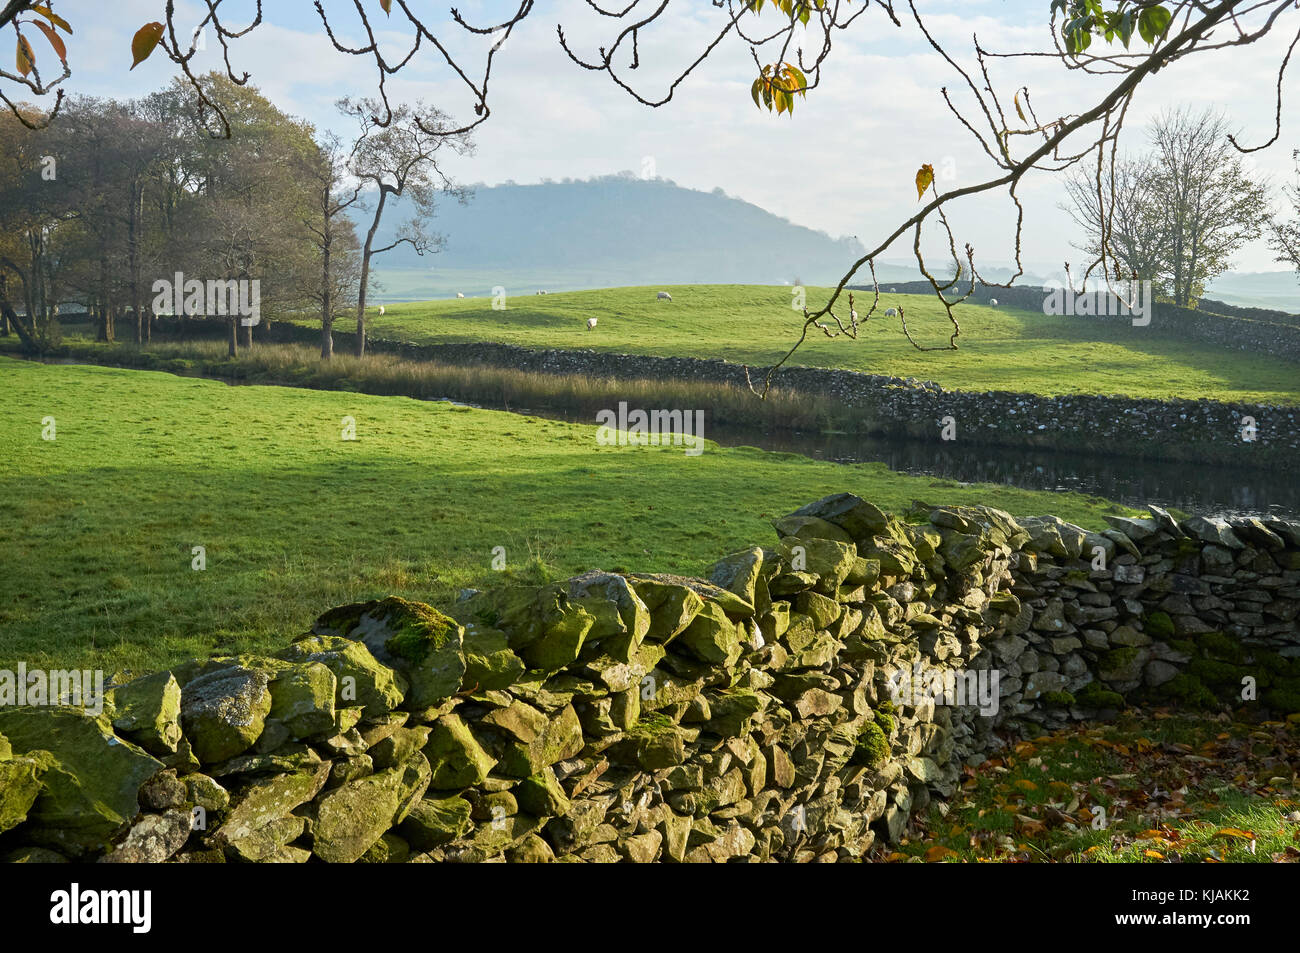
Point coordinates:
[(53, 17), (1019, 112), (923, 179), (143, 43), (1234, 832), (25, 57), (387, 5), (1026, 785), (1153, 854), (937, 853)]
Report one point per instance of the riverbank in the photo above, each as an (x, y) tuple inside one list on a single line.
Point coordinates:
[(790, 425)]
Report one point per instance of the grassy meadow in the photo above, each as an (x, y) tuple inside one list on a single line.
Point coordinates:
[(1000, 348), (97, 526)]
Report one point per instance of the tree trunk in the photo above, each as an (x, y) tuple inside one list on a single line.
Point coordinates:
[(11, 318), (232, 324), (365, 273), (133, 257), (326, 315)]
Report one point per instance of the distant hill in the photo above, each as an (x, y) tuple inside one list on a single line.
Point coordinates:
[(1278, 290), (605, 232), (621, 230)]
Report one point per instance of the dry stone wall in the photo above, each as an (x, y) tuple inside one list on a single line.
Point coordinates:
[(1238, 433), (798, 705)]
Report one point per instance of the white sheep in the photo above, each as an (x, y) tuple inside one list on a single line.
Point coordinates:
[(891, 313), (591, 324), (460, 294), (993, 302), (381, 309), (663, 296)]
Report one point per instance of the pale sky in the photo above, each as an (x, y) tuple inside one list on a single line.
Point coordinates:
[(844, 164)]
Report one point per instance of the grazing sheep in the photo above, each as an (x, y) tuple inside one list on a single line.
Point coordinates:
[(993, 302), (460, 294), (891, 313), (663, 296), (541, 292), (591, 324), (381, 309)]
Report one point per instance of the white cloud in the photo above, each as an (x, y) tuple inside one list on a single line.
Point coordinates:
[(844, 163)]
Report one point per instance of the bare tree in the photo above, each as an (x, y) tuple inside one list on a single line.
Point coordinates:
[(336, 284), (395, 160), (1176, 215), (1126, 211), (1284, 236), (1208, 202)]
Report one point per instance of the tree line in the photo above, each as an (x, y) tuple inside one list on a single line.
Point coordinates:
[(116, 199)]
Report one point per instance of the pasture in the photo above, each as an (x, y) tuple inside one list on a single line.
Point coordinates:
[(999, 348), (98, 525)]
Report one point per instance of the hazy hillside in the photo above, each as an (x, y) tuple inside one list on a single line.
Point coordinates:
[(616, 230), (621, 230), (1261, 289)]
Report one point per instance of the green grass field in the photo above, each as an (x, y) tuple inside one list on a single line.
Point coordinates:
[(97, 526), (1000, 348)]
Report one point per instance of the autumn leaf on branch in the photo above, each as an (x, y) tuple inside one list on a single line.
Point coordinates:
[(26, 59), (777, 86), (56, 41), (145, 41), (924, 179)]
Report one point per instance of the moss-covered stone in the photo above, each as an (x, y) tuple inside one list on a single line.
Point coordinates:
[(433, 822), (1096, 696), (266, 801), (362, 680), (90, 778), (809, 527), (350, 819), (148, 711), (457, 758), (712, 637), (1216, 645), (417, 640), (1158, 624), (742, 574), (672, 607), (541, 795), (872, 748), (490, 664), (655, 742), (20, 783), (224, 711), (1188, 691)]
